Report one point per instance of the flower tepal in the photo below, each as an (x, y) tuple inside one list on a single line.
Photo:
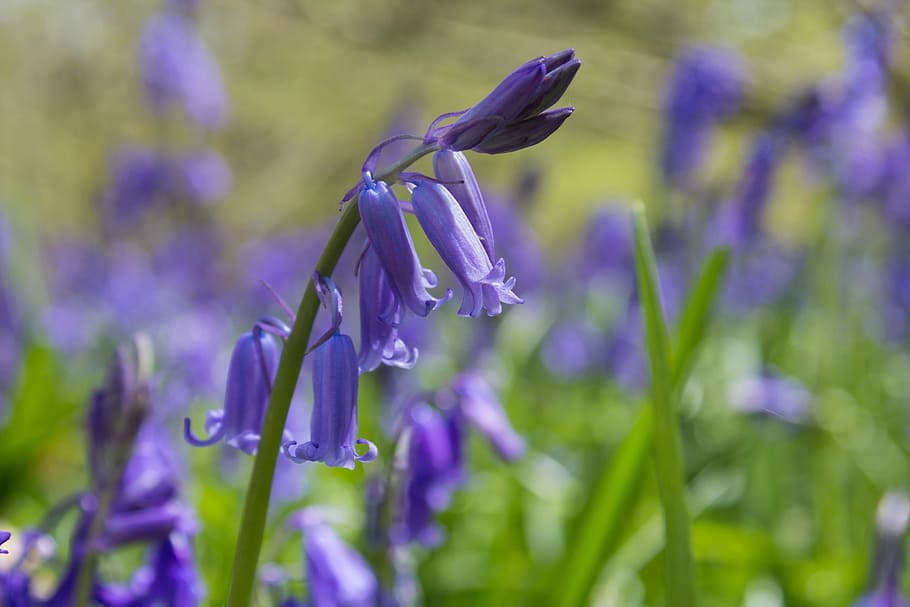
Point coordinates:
[(451, 233), (4, 537), (382, 218), (333, 424)]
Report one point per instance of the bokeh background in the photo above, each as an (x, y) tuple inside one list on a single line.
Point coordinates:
[(784, 504)]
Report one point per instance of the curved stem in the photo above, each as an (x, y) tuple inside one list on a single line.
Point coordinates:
[(256, 504)]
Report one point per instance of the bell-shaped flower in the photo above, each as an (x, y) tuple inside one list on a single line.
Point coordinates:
[(384, 222), (479, 405), (177, 68), (333, 424), (451, 233), (435, 468), (512, 116), (453, 169), (380, 315), (337, 576), (254, 363)]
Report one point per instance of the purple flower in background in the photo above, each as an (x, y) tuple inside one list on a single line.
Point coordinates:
[(177, 68), (384, 222), (891, 526), (450, 232), (435, 468), (254, 363), (571, 348), (478, 404), (704, 87), (139, 178), (337, 575), (205, 177), (513, 116), (606, 251), (739, 222), (380, 316), (773, 395), (333, 425)]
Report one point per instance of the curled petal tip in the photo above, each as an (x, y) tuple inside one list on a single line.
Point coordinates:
[(371, 453), (197, 442)]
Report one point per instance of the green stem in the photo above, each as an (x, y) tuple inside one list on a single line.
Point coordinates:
[(256, 505), (668, 453)]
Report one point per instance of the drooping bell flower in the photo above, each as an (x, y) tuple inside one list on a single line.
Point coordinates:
[(177, 68), (333, 424), (451, 233), (513, 116), (138, 178), (453, 169), (891, 527), (705, 86), (337, 576), (254, 363), (479, 405), (435, 468), (389, 237), (380, 316)]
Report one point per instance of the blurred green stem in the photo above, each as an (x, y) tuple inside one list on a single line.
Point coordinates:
[(668, 454), (256, 504)]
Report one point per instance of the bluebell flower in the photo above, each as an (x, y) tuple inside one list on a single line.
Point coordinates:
[(772, 394), (704, 87), (606, 252), (435, 468), (337, 576), (478, 404), (177, 68), (739, 222), (891, 527), (138, 179), (514, 115), (452, 235), (254, 363), (333, 424), (205, 177), (15, 588), (385, 226), (380, 316), (453, 169)]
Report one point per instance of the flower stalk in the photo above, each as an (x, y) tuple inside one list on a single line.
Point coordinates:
[(256, 505)]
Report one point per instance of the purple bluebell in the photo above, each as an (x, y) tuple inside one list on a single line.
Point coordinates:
[(177, 68), (572, 348), (139, 178), (380, 316), (478, 404), (772, 394), (254, 363), (453, 169), (704, 87), (606, 253), (891, 527), (337, 576), (333, 424), (435, 468), (15, 588), (4, 537), (204, 176), (513, 116), (739, 222), (452, 235), (385, 226)]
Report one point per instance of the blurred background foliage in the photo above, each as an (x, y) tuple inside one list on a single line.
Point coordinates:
[(784, 511)]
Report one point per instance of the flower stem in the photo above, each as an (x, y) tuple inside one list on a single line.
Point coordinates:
[(256, 505)]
